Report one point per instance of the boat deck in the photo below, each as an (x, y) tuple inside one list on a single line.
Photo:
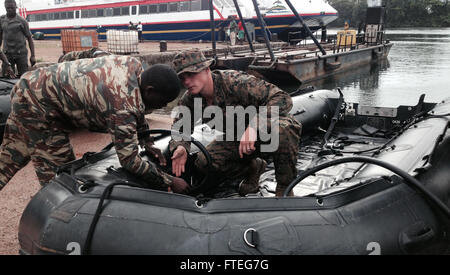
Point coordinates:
[(302, 63)]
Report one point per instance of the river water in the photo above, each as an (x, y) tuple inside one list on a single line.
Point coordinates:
[(419, 63)]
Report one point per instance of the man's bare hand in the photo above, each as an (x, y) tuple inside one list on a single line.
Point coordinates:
[(179, 160), (9, 72), (248, 140), (32, 60)]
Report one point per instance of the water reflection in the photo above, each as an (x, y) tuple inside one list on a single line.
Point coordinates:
[(419, 62)]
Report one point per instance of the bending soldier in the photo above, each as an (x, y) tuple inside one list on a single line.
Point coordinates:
[(229, 88), (108, 94)]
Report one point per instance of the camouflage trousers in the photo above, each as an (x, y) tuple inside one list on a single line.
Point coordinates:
[(226, 161), (30, 135)]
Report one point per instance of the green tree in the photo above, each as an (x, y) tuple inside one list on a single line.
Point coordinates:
[(400, 13)]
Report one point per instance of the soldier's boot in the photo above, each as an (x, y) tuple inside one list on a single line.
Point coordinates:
[(251, 183), (285, 158)]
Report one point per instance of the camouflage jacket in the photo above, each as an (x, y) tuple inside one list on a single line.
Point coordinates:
[(233, 88), (99, 94)]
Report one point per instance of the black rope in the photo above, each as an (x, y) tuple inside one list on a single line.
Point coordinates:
[(7, 81), (360, 152), (335, 119), (106, 194), (409, 180), (422, 116)]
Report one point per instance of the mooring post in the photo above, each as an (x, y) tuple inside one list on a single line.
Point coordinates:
[(213, 29), (249, 39), (299, 18), (263, 27)]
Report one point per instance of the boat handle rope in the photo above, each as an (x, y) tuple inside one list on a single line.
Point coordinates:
[(408, 179), (335, 119), (105, 195), (108, 190), (7, 81), (254, 236)]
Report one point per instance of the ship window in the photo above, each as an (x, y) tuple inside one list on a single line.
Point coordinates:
[(70, 15), (185, 6), (84, 14), (143, 9), (77, 14), (196, 5), (162, 7), (63, 15), (205, 4), (43, 17), (92, 13), (153, 9), (116, 11), (133, 10), (100, 12), (56, 16), (109, 12), (173, 7), (125, 11)]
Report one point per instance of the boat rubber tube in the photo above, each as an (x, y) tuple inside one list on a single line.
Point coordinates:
[(409, 180)]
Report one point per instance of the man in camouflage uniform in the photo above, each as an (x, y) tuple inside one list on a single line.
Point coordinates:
[(107, 94), (75, 55), (232, 88), (14, 32)]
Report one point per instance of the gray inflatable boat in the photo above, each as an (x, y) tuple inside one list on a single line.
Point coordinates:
[(371, 181)]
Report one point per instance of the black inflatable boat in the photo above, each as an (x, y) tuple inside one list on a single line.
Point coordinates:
[(6, 86), (372, 181)]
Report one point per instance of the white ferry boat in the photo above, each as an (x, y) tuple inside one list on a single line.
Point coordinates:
[(171, 19)]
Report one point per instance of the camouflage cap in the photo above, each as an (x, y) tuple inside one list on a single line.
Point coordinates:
[(192, 61)]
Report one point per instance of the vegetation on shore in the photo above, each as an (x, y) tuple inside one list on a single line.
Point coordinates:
[(400, 13)]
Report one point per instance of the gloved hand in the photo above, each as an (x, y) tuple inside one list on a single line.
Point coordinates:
[(156, 153), (179, 186)]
